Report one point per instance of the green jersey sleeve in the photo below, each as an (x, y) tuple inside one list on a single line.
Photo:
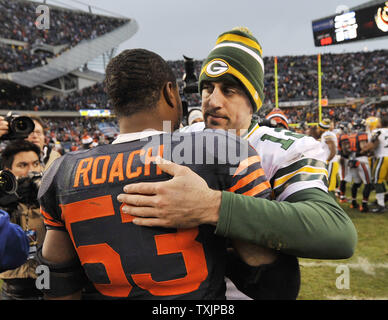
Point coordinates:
[(308, 224)]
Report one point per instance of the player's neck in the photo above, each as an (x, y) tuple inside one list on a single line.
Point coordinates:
[(140, 122)]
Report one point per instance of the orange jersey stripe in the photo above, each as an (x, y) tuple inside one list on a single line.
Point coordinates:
[(258, 189), (45, 214), (246, 163), (48, 220), (247, 179), (52, 223)]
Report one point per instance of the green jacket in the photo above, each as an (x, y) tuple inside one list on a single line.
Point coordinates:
[(309, 224)]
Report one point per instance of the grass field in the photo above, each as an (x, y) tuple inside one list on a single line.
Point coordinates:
[(367, 269)]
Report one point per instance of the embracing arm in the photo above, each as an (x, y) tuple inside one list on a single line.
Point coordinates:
[(332, 148), (310, 224)]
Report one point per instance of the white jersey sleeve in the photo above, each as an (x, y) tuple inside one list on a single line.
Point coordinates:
[(382, 148), (291, 161), (325, 138)]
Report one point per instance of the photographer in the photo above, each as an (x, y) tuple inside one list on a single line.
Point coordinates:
[(47, 153), (21, 157)]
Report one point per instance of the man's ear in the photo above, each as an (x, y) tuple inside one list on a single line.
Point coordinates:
[(168, 93)]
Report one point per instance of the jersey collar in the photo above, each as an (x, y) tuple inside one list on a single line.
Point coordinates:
[(252, 128), (126, 137)]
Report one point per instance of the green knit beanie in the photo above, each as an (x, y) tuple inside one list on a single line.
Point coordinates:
[(237, 54)]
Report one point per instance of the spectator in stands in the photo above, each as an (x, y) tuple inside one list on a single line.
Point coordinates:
[(66, 27), (297, 81), (38, 137), (195, 115), (87, 142)]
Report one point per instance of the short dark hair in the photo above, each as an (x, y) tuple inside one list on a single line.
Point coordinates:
[(134, 80), (13, 148)]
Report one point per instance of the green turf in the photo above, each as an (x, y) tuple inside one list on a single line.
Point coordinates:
[(368, 276)]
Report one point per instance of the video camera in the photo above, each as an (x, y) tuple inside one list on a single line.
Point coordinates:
[(14, 190), (8, 183), (190, 85), (189, 77), (19, 127), (28, 188)]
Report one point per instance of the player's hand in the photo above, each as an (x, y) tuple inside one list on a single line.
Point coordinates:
[(185, 201), (3, 126)]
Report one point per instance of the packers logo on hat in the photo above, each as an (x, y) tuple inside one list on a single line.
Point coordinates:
[(216, 68)]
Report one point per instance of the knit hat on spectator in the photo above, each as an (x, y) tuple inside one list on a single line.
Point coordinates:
[(237, 57), (194, 115), (324, 124), (86, 140), (279, 117)]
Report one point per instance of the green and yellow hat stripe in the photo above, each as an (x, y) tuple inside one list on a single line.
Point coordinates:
[(237, 38)]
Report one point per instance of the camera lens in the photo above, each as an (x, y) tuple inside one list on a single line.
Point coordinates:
[(22, 125), (8, 183)]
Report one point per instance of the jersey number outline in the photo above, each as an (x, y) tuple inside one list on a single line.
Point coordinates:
[(183, 241), (285, 143)]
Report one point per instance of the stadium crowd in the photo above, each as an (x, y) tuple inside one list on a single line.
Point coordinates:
[(351, 113), (66, 28), (13, 59), (355, 74), (71, 135), (347, 75)]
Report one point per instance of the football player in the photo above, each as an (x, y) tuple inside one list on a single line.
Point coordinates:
[(371, 123), (359, 168), (344, 151), (232, 87), (88, 227), (379, 145), (329, 143)]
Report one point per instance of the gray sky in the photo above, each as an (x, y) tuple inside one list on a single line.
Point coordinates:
[(176, 27)]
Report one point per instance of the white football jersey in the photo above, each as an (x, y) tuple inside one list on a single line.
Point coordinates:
[(292, 162), (328, 136), (382, 149)]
